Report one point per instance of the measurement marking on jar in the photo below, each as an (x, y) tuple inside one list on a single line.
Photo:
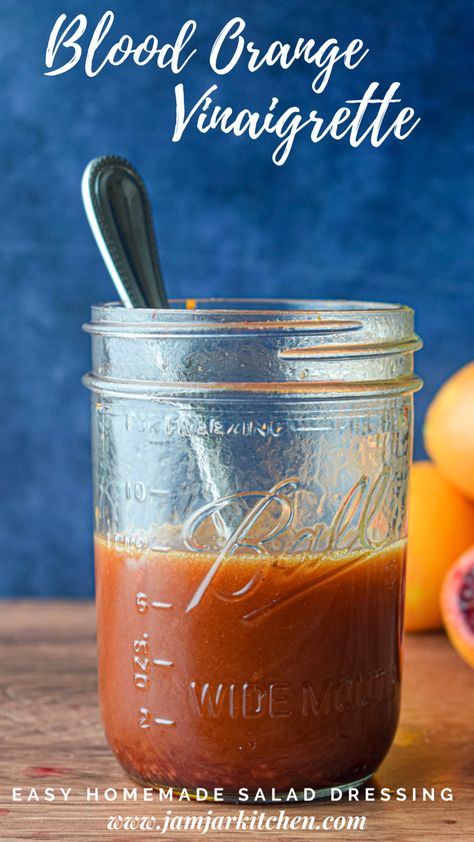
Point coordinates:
[(141, 662), (139, 491), (129, 542), (160, 548), (316, 429), (142, 604), (146, 720), (162, 663)]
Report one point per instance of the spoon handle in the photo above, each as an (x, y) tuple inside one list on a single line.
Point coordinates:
[(119, 212)]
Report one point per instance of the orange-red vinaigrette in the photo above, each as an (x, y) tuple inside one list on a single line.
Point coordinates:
[(281, 673)]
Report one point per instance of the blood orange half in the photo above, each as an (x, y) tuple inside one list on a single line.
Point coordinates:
[(457, 605)]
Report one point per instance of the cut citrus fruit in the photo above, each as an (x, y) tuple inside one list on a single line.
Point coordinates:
[(457, 606)]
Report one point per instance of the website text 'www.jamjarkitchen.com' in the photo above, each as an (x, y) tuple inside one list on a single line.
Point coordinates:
[(241, 821)]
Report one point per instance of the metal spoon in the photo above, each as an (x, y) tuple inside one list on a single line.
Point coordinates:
[(119, 212)]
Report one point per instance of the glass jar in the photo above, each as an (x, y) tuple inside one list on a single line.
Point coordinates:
[(250, 481)]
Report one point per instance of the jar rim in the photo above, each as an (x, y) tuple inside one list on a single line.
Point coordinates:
[(335, 347), (254, 315), (192, 307)]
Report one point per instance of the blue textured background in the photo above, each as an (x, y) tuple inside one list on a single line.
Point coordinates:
[(394, 223)]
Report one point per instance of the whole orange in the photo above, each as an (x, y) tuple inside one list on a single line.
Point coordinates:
[(449, 430), (440, 528)]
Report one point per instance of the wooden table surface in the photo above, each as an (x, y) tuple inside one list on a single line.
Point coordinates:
[(51, 736)]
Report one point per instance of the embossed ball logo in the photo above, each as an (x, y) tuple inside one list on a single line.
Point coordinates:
[(257, 520)]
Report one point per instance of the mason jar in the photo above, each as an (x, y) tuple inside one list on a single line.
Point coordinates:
[(250, 462)]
